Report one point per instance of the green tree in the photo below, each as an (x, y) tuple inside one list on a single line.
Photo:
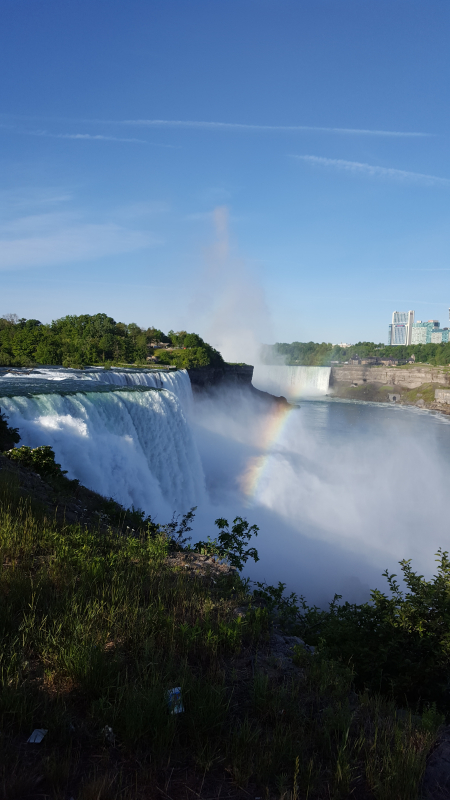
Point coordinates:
[(193, 340)]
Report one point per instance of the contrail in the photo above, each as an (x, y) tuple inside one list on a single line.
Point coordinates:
[(217, 126), (87, 136), (374, 171), (239, 126)]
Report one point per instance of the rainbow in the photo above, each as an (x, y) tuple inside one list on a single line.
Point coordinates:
[(257, 465)]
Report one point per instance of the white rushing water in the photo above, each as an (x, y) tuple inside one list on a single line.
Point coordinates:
[(135, 446), (174, 381), (292, 382)]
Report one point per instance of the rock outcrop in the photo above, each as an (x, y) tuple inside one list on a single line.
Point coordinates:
[(238, 376), (231, 374), (406, 377), (422, 386)]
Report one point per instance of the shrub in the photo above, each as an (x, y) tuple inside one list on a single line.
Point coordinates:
[(397, 644), (231, 545), (40, 460), (8, 436)]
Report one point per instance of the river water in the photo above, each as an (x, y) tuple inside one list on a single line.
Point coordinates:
[(340, 490)]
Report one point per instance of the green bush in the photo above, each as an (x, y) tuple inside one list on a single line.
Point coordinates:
[(8, 436), (397, 644), (230, 546), (40, 460)]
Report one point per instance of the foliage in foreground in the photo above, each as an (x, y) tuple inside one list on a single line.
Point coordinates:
[(230, 545), (398, 644), (96, 626), (8, 436), (40, 460)]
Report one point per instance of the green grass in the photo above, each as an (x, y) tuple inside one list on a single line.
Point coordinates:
[(370, 392), (424, 392), (96, 626)]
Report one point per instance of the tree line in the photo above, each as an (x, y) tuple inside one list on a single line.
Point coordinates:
[(77, 341), (313, 354)]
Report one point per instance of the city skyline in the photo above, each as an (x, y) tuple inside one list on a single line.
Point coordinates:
[(406, 330)]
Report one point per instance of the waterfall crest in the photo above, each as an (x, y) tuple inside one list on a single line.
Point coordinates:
[(22, 380), (292, 382)]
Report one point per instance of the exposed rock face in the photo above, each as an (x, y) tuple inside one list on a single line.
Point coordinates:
[(421, 386), (406, 377), (442, 396), (207, 379)]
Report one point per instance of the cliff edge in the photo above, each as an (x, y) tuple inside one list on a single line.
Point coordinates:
[(237, 376), (405, 385)]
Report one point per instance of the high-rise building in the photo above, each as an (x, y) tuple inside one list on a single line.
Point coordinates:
[(439, 336), (428, 332), (399, 317), (400, 330)]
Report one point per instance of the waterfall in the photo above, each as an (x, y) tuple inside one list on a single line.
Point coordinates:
[(292, 382), (134, 445)]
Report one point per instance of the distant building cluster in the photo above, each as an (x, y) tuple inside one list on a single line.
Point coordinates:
[(405, 330), (372, 361)]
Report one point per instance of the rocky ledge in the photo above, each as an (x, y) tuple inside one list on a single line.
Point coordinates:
[(230, 374), (236, 376)]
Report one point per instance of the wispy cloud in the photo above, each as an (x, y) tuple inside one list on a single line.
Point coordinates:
[(199, 124), (374, 171), (21, 199), (239, 126), (54, 238), (86, 136), (99, 137)]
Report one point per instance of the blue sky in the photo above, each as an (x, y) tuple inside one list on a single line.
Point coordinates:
[(244, 168)]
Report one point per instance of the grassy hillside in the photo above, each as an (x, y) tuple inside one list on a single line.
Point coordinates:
[(98, 621)]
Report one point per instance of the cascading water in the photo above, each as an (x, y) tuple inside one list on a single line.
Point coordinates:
[(174, 381), (133, 444), (292, 382)]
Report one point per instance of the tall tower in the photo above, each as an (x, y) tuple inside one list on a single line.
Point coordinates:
[(400, 331), (410, 326)]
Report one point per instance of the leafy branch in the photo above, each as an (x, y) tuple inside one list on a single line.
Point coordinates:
[(231, 545)]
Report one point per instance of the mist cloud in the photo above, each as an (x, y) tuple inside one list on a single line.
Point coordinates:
[(334, 503), (229, 299)]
